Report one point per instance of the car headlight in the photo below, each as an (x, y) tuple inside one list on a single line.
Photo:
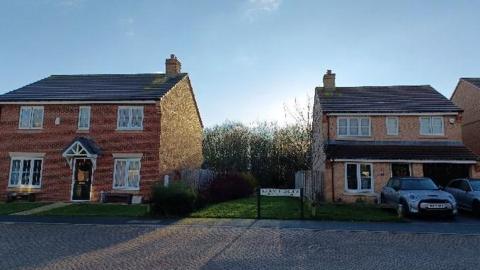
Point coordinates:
[(413, 197), (452, 199)]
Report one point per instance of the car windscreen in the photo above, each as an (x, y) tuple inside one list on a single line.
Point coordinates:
[(475, 183), (418, 184)]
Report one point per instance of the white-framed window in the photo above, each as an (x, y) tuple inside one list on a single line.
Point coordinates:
[(392, 126), (353, 126), (431, 125), (126, 174), (358, 177), (130, 118), (25, 172), (84, 117), (31, 117)]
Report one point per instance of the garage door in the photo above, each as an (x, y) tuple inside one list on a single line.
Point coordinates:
[(442, 173)]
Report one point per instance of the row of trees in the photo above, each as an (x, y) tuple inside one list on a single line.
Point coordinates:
[(272, 152)]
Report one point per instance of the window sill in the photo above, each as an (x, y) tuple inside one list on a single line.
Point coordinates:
[(24, 188), (351, 138), (360, 193), (433, 136), (129, 130), (118, 190), (27, 131), (83, 130)]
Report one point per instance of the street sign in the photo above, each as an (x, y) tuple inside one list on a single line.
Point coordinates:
[(276, 192)]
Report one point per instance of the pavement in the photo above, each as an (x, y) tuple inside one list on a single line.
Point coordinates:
[(42, 209), (114, 243)]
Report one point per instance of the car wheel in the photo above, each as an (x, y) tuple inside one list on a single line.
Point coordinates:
[(382, 199), (402, 209)]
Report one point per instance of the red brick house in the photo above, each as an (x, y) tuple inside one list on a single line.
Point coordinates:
[(70, 137), (365, 135), (467, 97)]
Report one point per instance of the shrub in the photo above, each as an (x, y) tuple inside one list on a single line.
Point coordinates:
[(175, 200), (251, 180), (228, 186)]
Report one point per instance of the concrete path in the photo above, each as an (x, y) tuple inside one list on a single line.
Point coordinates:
[(41, 209)]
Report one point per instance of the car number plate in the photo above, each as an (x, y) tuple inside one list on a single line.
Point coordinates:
[(436, 205)]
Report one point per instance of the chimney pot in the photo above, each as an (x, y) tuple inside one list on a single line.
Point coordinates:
[(329, 80), (172, 66)]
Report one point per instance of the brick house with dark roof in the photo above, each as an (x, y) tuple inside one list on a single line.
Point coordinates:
[(467, 97), (364, 135), (70, 137)]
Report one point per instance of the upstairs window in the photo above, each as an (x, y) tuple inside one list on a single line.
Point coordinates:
[(392, 126), (431, 125), (353, 126), (31, 117), (84, 118), (130, 118)]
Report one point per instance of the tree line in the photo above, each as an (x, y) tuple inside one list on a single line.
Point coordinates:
[(270, 151)]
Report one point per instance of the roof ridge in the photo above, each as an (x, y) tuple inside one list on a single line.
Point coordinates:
[(112, 74)]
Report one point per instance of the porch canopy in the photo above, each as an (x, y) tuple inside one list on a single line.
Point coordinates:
[(81, 147), (394, 151)]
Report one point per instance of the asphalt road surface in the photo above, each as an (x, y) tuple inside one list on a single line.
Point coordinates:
[(234, 245)]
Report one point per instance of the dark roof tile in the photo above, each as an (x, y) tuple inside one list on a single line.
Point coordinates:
[(104, 87), (399, 150), (384, 99)]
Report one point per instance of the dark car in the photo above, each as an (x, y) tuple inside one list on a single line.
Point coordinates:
[(418, 195), (466, 192)]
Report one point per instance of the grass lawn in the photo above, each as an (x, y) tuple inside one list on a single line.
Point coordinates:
[(289, 208), (271, 207), (14, 207), (104, 210)]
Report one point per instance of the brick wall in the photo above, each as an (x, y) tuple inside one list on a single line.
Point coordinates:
[(409, 129), (52, 139), (467, 97), (181, 130)]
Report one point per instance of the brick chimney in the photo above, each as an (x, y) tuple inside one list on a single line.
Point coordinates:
[(172, 66), (329, 80)]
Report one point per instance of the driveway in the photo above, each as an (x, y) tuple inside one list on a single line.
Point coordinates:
[(236, 244)]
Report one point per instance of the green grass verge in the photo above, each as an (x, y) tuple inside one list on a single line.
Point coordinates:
[(271, 207), (289, 208), (104, 210), (15, 207)]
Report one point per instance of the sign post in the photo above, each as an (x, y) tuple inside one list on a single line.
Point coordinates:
[(301, 203), (258, 203)]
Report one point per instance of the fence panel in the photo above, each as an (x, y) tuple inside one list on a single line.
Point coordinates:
[(198, 179), (311, 182)]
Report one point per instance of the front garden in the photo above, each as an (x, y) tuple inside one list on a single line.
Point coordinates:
[(229, 195), (15, 207)]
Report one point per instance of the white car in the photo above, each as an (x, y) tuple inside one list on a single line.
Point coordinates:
[(418, 195)]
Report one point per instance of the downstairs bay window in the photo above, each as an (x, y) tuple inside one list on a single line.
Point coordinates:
[(25, 172), (358, 177), (126, 175)]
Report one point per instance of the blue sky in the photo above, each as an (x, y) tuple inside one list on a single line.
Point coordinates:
[(246, 58)]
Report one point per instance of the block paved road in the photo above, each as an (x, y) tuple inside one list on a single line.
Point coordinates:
[(206, 246)]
